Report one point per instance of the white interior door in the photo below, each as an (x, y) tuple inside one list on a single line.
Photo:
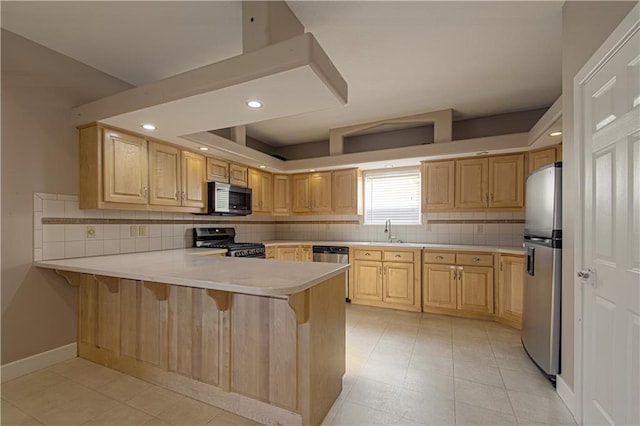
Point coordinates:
[(610, 100)]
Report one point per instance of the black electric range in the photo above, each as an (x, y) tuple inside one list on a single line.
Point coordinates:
[(224, 238)]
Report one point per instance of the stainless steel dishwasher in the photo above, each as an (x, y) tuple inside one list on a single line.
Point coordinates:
[(333, 254)]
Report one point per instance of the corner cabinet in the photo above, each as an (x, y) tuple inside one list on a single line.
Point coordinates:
[(312, 193), (386, 277), (124, 171)]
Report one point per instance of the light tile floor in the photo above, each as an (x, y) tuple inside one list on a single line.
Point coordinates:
[(402, 368)]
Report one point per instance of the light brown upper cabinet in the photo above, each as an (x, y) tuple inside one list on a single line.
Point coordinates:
[(222, 171), (321, 192), (177, 178), (438, 186), (217, 170), (261, 184), (125, 168), (311, 193), (506, 181), (238, 175), (193, 182), (301, 193), (543, 157), (281, 194), (125, 171), (472, 183), (346, 197), (164, 173), (491, 182)]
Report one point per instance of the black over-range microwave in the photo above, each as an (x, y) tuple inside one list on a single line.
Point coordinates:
[(225, 199)]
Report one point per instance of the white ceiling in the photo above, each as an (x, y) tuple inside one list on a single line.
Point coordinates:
[(398, 58)]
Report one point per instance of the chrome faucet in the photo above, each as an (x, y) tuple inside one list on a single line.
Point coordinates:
[(387, 230)]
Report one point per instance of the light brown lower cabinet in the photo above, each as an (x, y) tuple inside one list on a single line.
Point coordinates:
[(386, 278), (302, 253), (459, 283), (510, 290)]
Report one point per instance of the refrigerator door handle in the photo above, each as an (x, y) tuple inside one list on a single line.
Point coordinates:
[(530, 260)]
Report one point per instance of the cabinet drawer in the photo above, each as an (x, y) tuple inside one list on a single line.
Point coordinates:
[(368, 254), (398, 256), (439, 257), (474, 259)]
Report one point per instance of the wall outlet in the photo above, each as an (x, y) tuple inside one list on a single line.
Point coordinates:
[(90, 231), (142, 230), (133, 230), (480, 228)]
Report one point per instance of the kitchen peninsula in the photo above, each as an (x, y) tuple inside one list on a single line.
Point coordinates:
[(263, 339)]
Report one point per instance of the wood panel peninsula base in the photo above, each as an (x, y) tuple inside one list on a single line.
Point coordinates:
[(273, 359)]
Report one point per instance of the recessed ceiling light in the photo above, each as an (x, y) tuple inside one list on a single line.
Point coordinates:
[(555, 133), (149, 126), (203, 148), (388, 166), (262, 166), (312, 170), (254, 104), (482, 153)]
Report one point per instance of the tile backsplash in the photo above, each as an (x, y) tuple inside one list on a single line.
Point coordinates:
[(100, 232), (495, 229), (68, 231)]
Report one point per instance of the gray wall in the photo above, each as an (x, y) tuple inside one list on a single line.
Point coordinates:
[(39, 154), (495, 125), (585, 26), (501, 124)]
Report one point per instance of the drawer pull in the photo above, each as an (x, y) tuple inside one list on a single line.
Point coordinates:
[(367, 254), (397, 255), (439, 257), (476, 259)]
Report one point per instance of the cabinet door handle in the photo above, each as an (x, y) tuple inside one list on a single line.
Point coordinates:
[(182, 195), (475, 259), (501, 266), (439, 257), (177, 195), (452, 267), (144, 191)]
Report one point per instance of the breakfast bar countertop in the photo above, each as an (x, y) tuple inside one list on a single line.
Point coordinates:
[(257, 277)]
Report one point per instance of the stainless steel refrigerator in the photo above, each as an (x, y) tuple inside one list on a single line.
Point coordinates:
[(543, 275)]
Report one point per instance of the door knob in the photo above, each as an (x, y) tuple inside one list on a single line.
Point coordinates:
[(587, 276)]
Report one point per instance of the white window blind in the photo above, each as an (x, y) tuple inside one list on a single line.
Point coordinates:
[(392, 195)]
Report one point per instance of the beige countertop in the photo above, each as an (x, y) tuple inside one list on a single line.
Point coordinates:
[(457, 247), (258, 277)]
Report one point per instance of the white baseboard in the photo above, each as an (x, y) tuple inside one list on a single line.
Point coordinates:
[(37, 362), (566, 395)]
